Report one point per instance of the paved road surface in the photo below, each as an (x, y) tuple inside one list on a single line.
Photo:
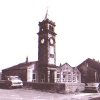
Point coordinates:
[(26, 94)]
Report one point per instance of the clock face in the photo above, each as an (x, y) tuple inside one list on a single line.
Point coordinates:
[(51, 41), (42, 41)]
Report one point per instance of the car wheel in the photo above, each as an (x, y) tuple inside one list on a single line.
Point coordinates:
[(98, 90)]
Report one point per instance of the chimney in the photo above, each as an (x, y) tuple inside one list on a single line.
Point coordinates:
[(27, 59), (60, 64)]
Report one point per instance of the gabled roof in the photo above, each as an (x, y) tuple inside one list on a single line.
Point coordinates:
[(75, 68), (91, 63), (64, 66), (67, 67), (21, 65)]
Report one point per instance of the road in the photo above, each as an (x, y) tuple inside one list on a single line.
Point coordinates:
[(29, 94)]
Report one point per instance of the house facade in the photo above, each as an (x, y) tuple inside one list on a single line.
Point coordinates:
[(67, 74)]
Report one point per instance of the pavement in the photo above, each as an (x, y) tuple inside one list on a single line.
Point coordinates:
[(31, 94)]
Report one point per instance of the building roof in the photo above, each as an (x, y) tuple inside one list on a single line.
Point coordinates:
[(91, 63), (23, 65)]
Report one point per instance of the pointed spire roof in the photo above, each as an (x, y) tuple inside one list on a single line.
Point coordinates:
[(46, 15)]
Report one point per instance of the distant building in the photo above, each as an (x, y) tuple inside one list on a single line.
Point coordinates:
[(45, 69), (90, 71)]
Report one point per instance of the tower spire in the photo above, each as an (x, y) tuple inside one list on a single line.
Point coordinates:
[(46, 15)]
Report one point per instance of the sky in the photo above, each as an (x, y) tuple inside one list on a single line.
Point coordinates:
[(77, 28)]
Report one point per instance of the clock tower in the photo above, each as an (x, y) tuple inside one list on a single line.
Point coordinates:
[(46, 51)]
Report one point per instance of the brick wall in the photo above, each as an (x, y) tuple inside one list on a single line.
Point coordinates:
[(56, 87)]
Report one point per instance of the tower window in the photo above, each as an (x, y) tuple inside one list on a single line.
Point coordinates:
[(51, 55), (42, 29), (51, 28)]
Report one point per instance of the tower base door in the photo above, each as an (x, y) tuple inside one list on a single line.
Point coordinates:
[(51, 76)]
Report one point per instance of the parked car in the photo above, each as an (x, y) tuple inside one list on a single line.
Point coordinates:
[(11, 81), (92, 87)]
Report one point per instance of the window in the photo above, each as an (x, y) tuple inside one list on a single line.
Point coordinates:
[(51, 50), (69, 77), (34, 76), (78, 77), (52, 55), (74, 79), (64, 75), (58, 75), (51, 28), (74, 73)]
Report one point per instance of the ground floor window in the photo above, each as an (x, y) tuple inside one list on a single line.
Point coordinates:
[(78, 77), (58, 75), (34, 76), (69, 77), (64, 76), (74, 78)]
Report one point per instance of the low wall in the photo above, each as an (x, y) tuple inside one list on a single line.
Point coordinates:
[(51, 87), (74, 87), (56, 87)]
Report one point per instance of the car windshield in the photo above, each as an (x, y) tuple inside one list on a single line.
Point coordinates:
[(13, 78)]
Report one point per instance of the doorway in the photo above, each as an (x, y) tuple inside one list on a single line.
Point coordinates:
[(51, 76)]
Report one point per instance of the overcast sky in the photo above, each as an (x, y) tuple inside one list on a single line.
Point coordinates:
[(77, 28)]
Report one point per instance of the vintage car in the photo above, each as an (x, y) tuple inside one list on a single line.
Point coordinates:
[(90, 87), (11, 81)]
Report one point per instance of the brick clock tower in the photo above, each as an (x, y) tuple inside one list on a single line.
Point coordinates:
[(46, 51)]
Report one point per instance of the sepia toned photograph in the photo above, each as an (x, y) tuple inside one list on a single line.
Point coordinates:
[(49, 50)]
